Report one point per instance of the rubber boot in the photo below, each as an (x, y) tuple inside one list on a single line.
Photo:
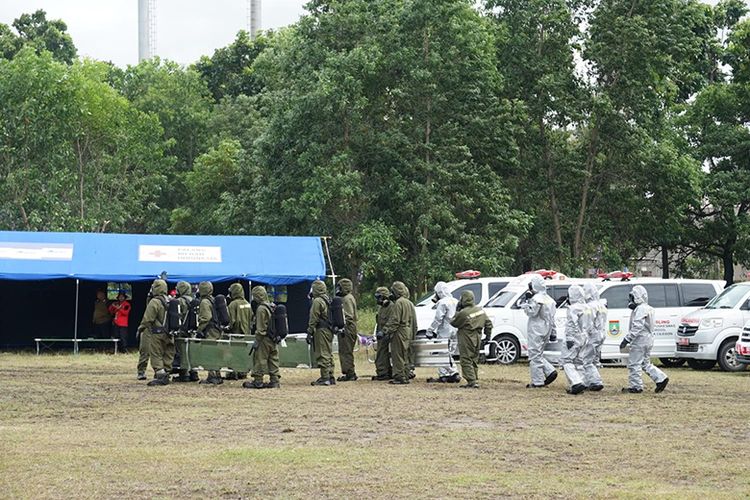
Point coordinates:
[(161, 378), (661, 385)]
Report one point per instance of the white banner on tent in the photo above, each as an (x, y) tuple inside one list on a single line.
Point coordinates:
[(178, 253), (36, 251)]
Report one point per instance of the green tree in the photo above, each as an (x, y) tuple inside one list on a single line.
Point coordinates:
[(180, 100), (36, 31), (74, 154), (385, 118), (229, 71)]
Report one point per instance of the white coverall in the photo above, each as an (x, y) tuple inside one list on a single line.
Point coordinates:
[(577, 326), (441, 327), (641, 338), (541, 312), (596, 333)]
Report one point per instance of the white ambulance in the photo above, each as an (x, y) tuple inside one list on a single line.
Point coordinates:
[(673, 299), (508, 319)]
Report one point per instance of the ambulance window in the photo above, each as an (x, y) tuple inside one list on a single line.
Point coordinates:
[(662, 295), (617, 296), (696, 294), (559, 293), (473, 287), (495, 287)]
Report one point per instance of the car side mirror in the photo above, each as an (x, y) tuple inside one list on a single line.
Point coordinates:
[(746, 306)]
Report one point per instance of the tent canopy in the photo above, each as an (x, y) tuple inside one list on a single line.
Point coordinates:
[(275, 260)]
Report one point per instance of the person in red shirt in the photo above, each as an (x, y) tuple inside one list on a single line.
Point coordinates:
[(121, 310)]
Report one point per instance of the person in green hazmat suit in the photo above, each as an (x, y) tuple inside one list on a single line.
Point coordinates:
[(265, 350), (470, 320), (185, 296), (208, 325), (153, 325), (383, 369), (240, 318), (400, 330), (319, 333), (348, 338)]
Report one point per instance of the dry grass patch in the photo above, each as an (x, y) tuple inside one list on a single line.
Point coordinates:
[(84, 427)]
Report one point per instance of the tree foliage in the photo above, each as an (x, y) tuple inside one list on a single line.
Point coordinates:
[(423, 136)]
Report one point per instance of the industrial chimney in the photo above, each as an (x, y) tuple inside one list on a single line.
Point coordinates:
[(254, 15), (146, 29)]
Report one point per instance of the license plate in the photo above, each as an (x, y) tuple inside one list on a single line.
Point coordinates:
[(683, 341)]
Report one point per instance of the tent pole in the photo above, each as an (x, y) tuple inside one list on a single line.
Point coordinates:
[(75, 328), (330, 263)]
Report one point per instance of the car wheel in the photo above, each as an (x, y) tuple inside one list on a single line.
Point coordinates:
[(671, 362), (508, 349), (701, 364), (727, 360)]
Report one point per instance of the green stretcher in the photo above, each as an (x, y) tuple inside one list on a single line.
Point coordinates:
[(233, 353)]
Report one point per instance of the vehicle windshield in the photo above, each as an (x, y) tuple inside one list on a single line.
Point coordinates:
[(502, 299), (729, 298), (426, 300)]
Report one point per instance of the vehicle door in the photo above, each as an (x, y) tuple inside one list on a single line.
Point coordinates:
[(618, 318), (664, 298)]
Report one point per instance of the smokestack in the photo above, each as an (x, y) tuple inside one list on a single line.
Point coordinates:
[(146, 29), (254, 18), (144, 47)]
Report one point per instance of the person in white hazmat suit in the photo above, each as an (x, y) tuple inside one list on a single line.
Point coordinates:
[(441, 328), (640, 337), (596, 333), (540, 308), (576, 332)]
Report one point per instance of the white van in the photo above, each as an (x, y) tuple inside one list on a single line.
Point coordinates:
[(672, 299), (483, 289), (508, 319), (709, 335)]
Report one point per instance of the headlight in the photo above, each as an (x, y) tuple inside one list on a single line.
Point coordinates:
[(712, 323)]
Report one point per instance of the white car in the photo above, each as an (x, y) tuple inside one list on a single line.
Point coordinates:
[(711, 334), (742, 348), (483, 289), (671, 298), (508, 319)]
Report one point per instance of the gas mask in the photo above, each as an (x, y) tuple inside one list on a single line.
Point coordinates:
[(339, 292), (435, 298), (381, 299), (631, 302), (529, 293)]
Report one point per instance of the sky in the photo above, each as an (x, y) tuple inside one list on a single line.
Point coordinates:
[(186, 29)]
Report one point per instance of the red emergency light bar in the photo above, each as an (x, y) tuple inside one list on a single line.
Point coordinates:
[(468, 275), (547, 274), (616, 275)]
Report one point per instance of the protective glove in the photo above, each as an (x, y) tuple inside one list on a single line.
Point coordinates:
[(553, 337), (569, 344), (430, 334), (624, 343), (379, 334), (309, 339)]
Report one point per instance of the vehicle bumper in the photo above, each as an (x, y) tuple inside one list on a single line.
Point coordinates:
[(695, 351), (745, 360)]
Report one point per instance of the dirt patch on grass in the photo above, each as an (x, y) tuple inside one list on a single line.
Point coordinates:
[(83, 426)]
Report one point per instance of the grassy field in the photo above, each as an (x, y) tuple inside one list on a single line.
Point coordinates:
[(84, 427)]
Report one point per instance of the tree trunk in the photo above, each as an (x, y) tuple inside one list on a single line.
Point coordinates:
[(728, 263), (590, 162), (664, 261), (554, 207)]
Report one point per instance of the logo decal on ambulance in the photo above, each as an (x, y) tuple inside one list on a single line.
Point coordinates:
[(614, 328)]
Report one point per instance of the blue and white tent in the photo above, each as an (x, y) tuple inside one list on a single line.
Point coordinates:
[(275, 260)]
